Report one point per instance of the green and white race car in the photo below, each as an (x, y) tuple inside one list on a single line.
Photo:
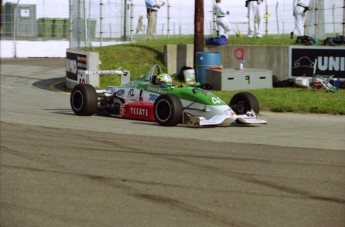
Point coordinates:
[(155, 98)]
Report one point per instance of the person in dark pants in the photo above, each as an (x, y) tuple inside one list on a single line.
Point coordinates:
[(152, 7)]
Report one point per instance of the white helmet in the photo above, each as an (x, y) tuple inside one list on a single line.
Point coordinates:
[(163, 78)]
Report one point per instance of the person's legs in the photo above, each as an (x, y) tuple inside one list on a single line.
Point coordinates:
[(251, 23), (220, 28), (154, 21), (227, 27), (151, 25), (299, 24), (224, 26), (299, 21), (259, 16)]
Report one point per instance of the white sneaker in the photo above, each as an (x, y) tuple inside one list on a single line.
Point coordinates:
[(250, 36), (259, 36)]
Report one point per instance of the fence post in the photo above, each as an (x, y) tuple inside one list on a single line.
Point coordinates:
[(214, 18), (100, 22), (333, 18), (344, 18), (277, 17), (168, 19), (124, 37), (266, 6), (317, 17), (14, 33), (131, 21)]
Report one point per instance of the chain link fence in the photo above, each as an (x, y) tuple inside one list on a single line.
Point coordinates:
[(93, 22)]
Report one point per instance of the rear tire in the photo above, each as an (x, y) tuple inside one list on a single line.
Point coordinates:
[(83, 100), (168, 110), (243, 102)]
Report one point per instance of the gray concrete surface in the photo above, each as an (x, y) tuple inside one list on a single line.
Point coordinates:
[(288, 129), (58, 169)]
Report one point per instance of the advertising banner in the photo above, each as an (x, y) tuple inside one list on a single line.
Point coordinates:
[(74, 62), (324, 60), (77, 61)]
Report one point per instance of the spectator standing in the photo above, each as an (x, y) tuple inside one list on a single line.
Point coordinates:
[(140, 26), (223, 24), (255, 16), (300, 8), (152, 7)]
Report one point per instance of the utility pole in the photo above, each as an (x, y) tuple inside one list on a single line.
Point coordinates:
[(199, 27)]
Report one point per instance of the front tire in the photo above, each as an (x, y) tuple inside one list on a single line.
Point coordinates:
[(168, 110), (83, 100), (243, 102)]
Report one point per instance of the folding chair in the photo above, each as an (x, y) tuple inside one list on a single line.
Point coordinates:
[(323, 80)]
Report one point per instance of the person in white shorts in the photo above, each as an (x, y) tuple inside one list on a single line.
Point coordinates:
[(255, 16)]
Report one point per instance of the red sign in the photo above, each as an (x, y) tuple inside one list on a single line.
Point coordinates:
[(138, 111)]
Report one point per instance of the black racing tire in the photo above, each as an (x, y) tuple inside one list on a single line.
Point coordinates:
[(83, 100), (243, 102), (168, 110)]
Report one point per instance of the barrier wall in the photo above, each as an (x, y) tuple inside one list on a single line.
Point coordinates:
[(283, 61), (275, 58)]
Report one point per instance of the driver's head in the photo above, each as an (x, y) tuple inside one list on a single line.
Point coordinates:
[(163, 78)]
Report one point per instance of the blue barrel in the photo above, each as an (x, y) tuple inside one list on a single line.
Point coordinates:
[(203, 61)]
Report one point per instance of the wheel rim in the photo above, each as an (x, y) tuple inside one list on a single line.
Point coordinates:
[(77, 100), (241, 107), (163, 110)]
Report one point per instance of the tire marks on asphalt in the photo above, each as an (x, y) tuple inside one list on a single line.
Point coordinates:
[(186, 153)]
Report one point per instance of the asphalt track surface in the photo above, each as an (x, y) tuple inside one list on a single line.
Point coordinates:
[(58, 169)]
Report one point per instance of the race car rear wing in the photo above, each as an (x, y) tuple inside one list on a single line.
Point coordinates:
[(92, 76)]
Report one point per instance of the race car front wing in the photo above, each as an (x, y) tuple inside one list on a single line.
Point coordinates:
[(221, 120)]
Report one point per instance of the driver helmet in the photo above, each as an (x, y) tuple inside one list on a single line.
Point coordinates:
[(163, 78)]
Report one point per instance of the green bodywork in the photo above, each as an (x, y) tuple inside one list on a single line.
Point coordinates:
[(192, 94)]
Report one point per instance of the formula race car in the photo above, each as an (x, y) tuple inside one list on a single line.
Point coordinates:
[(154, 97)]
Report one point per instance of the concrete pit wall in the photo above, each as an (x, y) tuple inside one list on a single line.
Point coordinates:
[(275, 58)]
